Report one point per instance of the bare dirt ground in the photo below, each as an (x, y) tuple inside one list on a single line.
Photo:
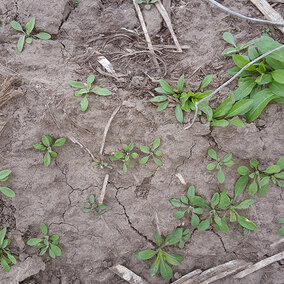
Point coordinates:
[(57, 194)]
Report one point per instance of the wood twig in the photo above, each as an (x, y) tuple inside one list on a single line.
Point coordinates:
[(6, 89), (187, 276), (82, 146), (103, 191)]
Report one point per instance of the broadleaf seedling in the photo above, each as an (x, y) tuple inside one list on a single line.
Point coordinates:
[(281, 229), (6, 256), (47, 144), (152, 151), (27, 36), (47, 243), (98, 163), (4, 175), (86, 89), (148, 3), (94, 207)]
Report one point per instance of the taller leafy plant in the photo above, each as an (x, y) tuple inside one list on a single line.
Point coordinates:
[(4, 175)]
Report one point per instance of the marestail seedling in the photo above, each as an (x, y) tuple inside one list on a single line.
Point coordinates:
[(84, 90), (27, 36), (6, 257), (47, 243), (148, 3), (4, 175), (152, 152), (94, 207), (47, 144), (281, 229)]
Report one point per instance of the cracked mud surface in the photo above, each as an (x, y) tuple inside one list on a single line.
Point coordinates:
[(56, 195)]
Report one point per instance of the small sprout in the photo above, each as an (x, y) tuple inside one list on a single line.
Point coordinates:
[(101, 164), (281, 230), (4, 175), (148, 3), (93, 207), (46, 145), (47, 243), (152, 152)]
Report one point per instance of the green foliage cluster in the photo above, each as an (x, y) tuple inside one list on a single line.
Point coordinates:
[(94, 207), (4, 175), (98, 163), (148, 3), (152, 152), (27, 37)]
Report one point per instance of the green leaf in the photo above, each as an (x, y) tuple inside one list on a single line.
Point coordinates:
[(155, 266), (240, 107), (165, 270), (237, 122), (43, 36), (224, 200), (51, 253), (197, 210), (59, 142), (184, 199), (175, 202), (252, 53), (2, 236), (158, 239), (243, 170), (38, 147), (92, 198), (194, 220), (245, 204), (156, 143), (204, 225), (241, 185), (171, 259), (16, 26), (280, 162), (179, 113), (280, 183), (233, 217), (4, 174), (247, 224), (280, 175), (205, 108), (145, 254), (134, 155), (229, 164), (160, 91), (179, 214), (90, 80), (46, 159), (76, 84), (191, 191), (101, 91), (5, 264), (253, 188), (147, 6), (240, 61), (263, 79), (43, 228), (281, 231), (119, 155), (12, 258), (273, 169), (224, 107), (229, 51), (221, 123), (53, 154), (180, 84), (130, 146), (211, 167), (144, 160), (84, 103), (55, 249), (33, 242), (157, 161), (198, 201), (228, 37), (21, 43), (46, 140), (43, 250), (215, 199), (221, 176), (29, 40), (253, 163), (212, 153), (166, 87), (245, 88), (206, 81), (30, 26), (159, 153), (124, 167), (277, 89), (7, 191), (223, 226), (227, 158), (280, 221), (264, 185), (163, 106)]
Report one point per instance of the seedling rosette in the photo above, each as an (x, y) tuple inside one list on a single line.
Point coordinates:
[(93, 207), (152, 152)]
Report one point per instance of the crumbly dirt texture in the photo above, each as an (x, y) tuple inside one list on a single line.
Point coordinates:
[(56, 194)]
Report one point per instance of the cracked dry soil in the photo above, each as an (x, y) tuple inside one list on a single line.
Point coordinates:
[(56, 195)]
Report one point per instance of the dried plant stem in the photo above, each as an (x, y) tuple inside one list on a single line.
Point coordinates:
[(228, 82), (103, 191), (82, 146)]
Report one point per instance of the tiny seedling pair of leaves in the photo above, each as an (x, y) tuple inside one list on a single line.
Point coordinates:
[(47, 146), (125, 156), (6, 257), (4, 175), (227, 161), (281, 230), (47, 243), (162, 258), (101, 164), (84, 90), (184, 101), (259, 180), (27, 37), (152, 152), (148, 3), (93, 207)]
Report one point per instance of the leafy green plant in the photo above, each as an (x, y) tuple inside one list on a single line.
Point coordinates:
[(93, 207), (281, 230), (227, 161), (125, 156), (160, 264), (184, 101), (259, 180), (4, 175), (101, 164), (216, 211), (152, 152), (46, 145), (5, 255), (27, 37), (85, 90), (47, 243), (148, 3)]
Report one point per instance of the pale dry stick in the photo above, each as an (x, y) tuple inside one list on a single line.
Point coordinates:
[(229, 81), (157, 223), (188, 276), (107, 128), (103, 191), (82, 146), (260, 265), (277, 243), (166, 18), (146, 34), (181, 179)]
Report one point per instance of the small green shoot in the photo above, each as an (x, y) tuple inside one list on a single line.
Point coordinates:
[(47, 243), (6, 257), (85, 90), (101, 164), (4, 175), (94, 207), (148, 3), (227, 161), (152, 152), (281, 230), (47, 146), (27, 37)]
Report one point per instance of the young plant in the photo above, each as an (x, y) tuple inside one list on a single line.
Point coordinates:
[(85, 90), (152, 152), (148, 3), (93, 207), (6, 257), (4, 175), (160, 265), (184, 101), (227, 161), (259, 180), (125, 156), (101, 164), (47, 243), (281, 230), (47, 146), (27, 37)]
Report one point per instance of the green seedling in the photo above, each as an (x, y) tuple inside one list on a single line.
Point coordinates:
[(5, 255), (152, 152), (93, 207), (4, 175), (47, 243), (101, 164), (148, 3), (85, 90), (227, 161), (27, 37), (160, 264), (216, 212), (281, 230), (259, 180), (47, 146), (184, 101), (125, 156)]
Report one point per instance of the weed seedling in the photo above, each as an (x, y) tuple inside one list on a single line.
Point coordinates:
[(85, 90), (227, 161), (4, 175), (148, 3), (125, 156), (27, 37), (152, 152), (259, 180), (49, 243), (160, 264), (101, 164), (94, 207), (5, 255), (47, 146), (281, 230)]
